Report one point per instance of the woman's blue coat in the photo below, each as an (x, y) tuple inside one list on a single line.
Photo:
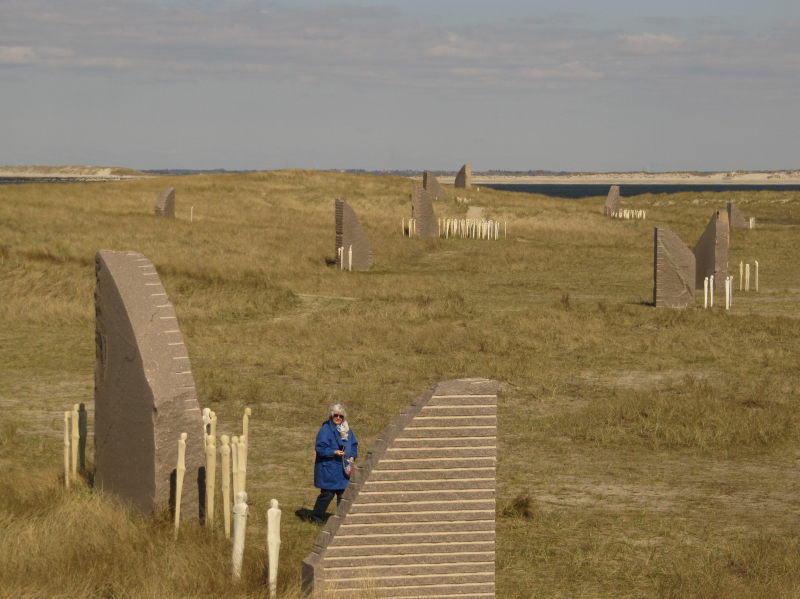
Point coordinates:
[(328, 468)]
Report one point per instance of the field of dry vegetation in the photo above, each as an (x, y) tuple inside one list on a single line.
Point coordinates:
[(642, 452)]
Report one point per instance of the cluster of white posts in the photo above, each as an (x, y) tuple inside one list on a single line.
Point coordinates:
[(630, 214), (74, 442), (471, 228), (410, 229), (744, 285), (340, 251), (744, 276)]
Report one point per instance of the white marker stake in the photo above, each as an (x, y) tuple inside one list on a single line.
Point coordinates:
[(350, 259), (741, 274), (505, 225), (727, 293), (180, 473), (206, 420), (191, 215), (747, 277), (235, 465), (711, 291), (242, 463), (226, 485), (752, 222), (211, 474), (239, 529), (75, 438), (67, 432), (705, 292), (273, 545), (756, 275), (213, 427)]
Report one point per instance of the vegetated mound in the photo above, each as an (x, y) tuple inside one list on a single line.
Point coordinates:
[(70, 172)]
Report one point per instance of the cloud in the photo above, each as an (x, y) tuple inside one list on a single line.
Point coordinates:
[(650, 43), (17, 55)]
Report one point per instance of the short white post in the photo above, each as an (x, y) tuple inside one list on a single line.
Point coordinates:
[(752, 222), (213, 426), (191, 215), (505, 234), (180, 472), (415, 226), (211, 474), (75, 438), (243, 463), (711, 291), (207, 421), (235, 465), (239, 529), (403, 225), (756, 276), (67, 433), (705, 292), (226, 485), (741, 274), (350, 258), (273, 545), (339, 256), (747, 277), (727, 293)]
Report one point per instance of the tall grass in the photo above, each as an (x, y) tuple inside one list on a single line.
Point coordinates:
[(641, 453)]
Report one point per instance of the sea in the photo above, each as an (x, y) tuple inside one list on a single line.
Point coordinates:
[(589, 190)]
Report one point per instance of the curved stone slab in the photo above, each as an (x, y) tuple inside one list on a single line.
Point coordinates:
[(711, 252), (673, 271), (165, 203), (418, 518), (144, 390), (350, 234), (464, 177), (612, 201), (432, 186), (422, 211), (736, 219)]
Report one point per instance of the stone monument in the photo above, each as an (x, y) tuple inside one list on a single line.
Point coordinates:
[(165, 203), (673, 271), (144, 390), (349, 234), (422, 211), (418, 517), (612, 201), (711, 252), (464, 177), (736, 219), (432, 186)]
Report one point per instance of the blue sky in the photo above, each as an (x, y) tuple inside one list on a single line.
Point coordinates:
[(384, 84)]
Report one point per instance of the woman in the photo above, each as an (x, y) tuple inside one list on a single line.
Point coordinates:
[(336, 445)]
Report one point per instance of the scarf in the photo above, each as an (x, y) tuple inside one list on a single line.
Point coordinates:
[(343, 429)]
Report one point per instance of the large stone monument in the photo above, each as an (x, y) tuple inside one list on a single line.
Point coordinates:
[(422, 212), (612, 201), (432, 186), (165, 203), (352, 240), (464, 177), (736, 219), (418, 518), (144, 390), (673, 271), (711, 252)]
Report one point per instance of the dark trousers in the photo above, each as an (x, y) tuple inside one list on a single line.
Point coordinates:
[(324, 500)]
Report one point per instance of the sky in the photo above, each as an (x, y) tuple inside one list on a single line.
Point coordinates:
[(573, 85)]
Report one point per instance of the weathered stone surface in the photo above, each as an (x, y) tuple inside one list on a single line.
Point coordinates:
[(736, 219), (165, 203), (422, 211), (144, 390), (432, 186), (673, 271), (711, 252), (464, 177), (419, 529), (612, 201), (350, 234)]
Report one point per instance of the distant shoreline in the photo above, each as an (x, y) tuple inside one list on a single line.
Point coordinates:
[(639, 178)]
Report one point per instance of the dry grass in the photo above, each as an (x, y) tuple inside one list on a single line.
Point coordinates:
[(642, 452)]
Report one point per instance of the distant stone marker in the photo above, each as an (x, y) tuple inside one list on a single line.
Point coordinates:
[(711, 252), (612, 201), (464, 177), (673, 271), (418, 518), (432, 186), (165, 203), (144, 390), (422, 211), (736, 219), (349, 234)]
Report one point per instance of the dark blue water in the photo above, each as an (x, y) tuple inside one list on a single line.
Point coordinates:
[(588, 190)]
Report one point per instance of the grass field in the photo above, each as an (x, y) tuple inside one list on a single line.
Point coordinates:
[(642, 452)]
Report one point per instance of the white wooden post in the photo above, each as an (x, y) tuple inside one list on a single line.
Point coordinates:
[(403, 225), (235, 465), (756, 276), (67, 432), (180, 472), (191, 215), (243, 441), (75, 438), (705, 292), (747, 277), (206, 421), (727, 293), (711, 291), (505, 227), (273, 545), (239, 529), (752, 222), (350, 259), (741, 274), (226, 485), (211, 474)]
